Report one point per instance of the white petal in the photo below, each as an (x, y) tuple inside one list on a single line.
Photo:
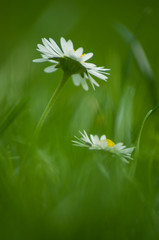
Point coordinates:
[(64, 45), (41, 47), (69, 45), (84, 84), (102, 69), (52, 61), (128, 150), (104, 144), (85, 76), (49, 47), (103, 137), (118, 146), (85, 137), (56, 47), (50, 69), (46, 53), (92, 81), (95, 139), (99, 75), (78, 144), (89, 65), (124, 159), (47, 59), (46, 56), (76, 79), (40, 60), (87, 56), (92, 138), (44, 50), (78, 52)]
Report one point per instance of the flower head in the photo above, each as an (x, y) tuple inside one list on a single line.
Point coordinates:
[(72, 62), (103, 143)]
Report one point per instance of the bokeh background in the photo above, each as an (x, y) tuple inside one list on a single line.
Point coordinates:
[(58, 191)]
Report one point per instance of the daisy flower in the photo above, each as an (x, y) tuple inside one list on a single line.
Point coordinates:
[(72, 62), (103, 143)]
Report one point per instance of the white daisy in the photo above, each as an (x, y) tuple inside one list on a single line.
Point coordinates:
[(103, 143), (72, 62)]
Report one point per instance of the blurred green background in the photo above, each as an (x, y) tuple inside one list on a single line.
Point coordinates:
[(58, 191)]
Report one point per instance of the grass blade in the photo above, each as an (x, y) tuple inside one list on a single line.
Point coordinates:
[(11, 115)]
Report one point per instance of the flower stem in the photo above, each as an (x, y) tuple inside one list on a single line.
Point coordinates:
[(49, 106)]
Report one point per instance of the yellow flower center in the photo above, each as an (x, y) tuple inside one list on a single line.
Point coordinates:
[(110, 143), (81, 55)]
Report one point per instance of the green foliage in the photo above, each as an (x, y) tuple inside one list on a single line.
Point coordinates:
[(51, 189)]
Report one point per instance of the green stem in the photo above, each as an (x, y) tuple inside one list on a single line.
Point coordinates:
[(139, 138), (140, 132), (43, 118), (49, 105), (142, 126)]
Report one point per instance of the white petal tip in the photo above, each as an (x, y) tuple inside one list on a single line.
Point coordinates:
[(39, 60)]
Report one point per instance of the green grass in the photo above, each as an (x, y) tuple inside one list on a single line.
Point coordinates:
[(54, 190)]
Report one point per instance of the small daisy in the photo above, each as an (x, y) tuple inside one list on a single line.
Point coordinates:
[(72, 62), (103, 143)]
